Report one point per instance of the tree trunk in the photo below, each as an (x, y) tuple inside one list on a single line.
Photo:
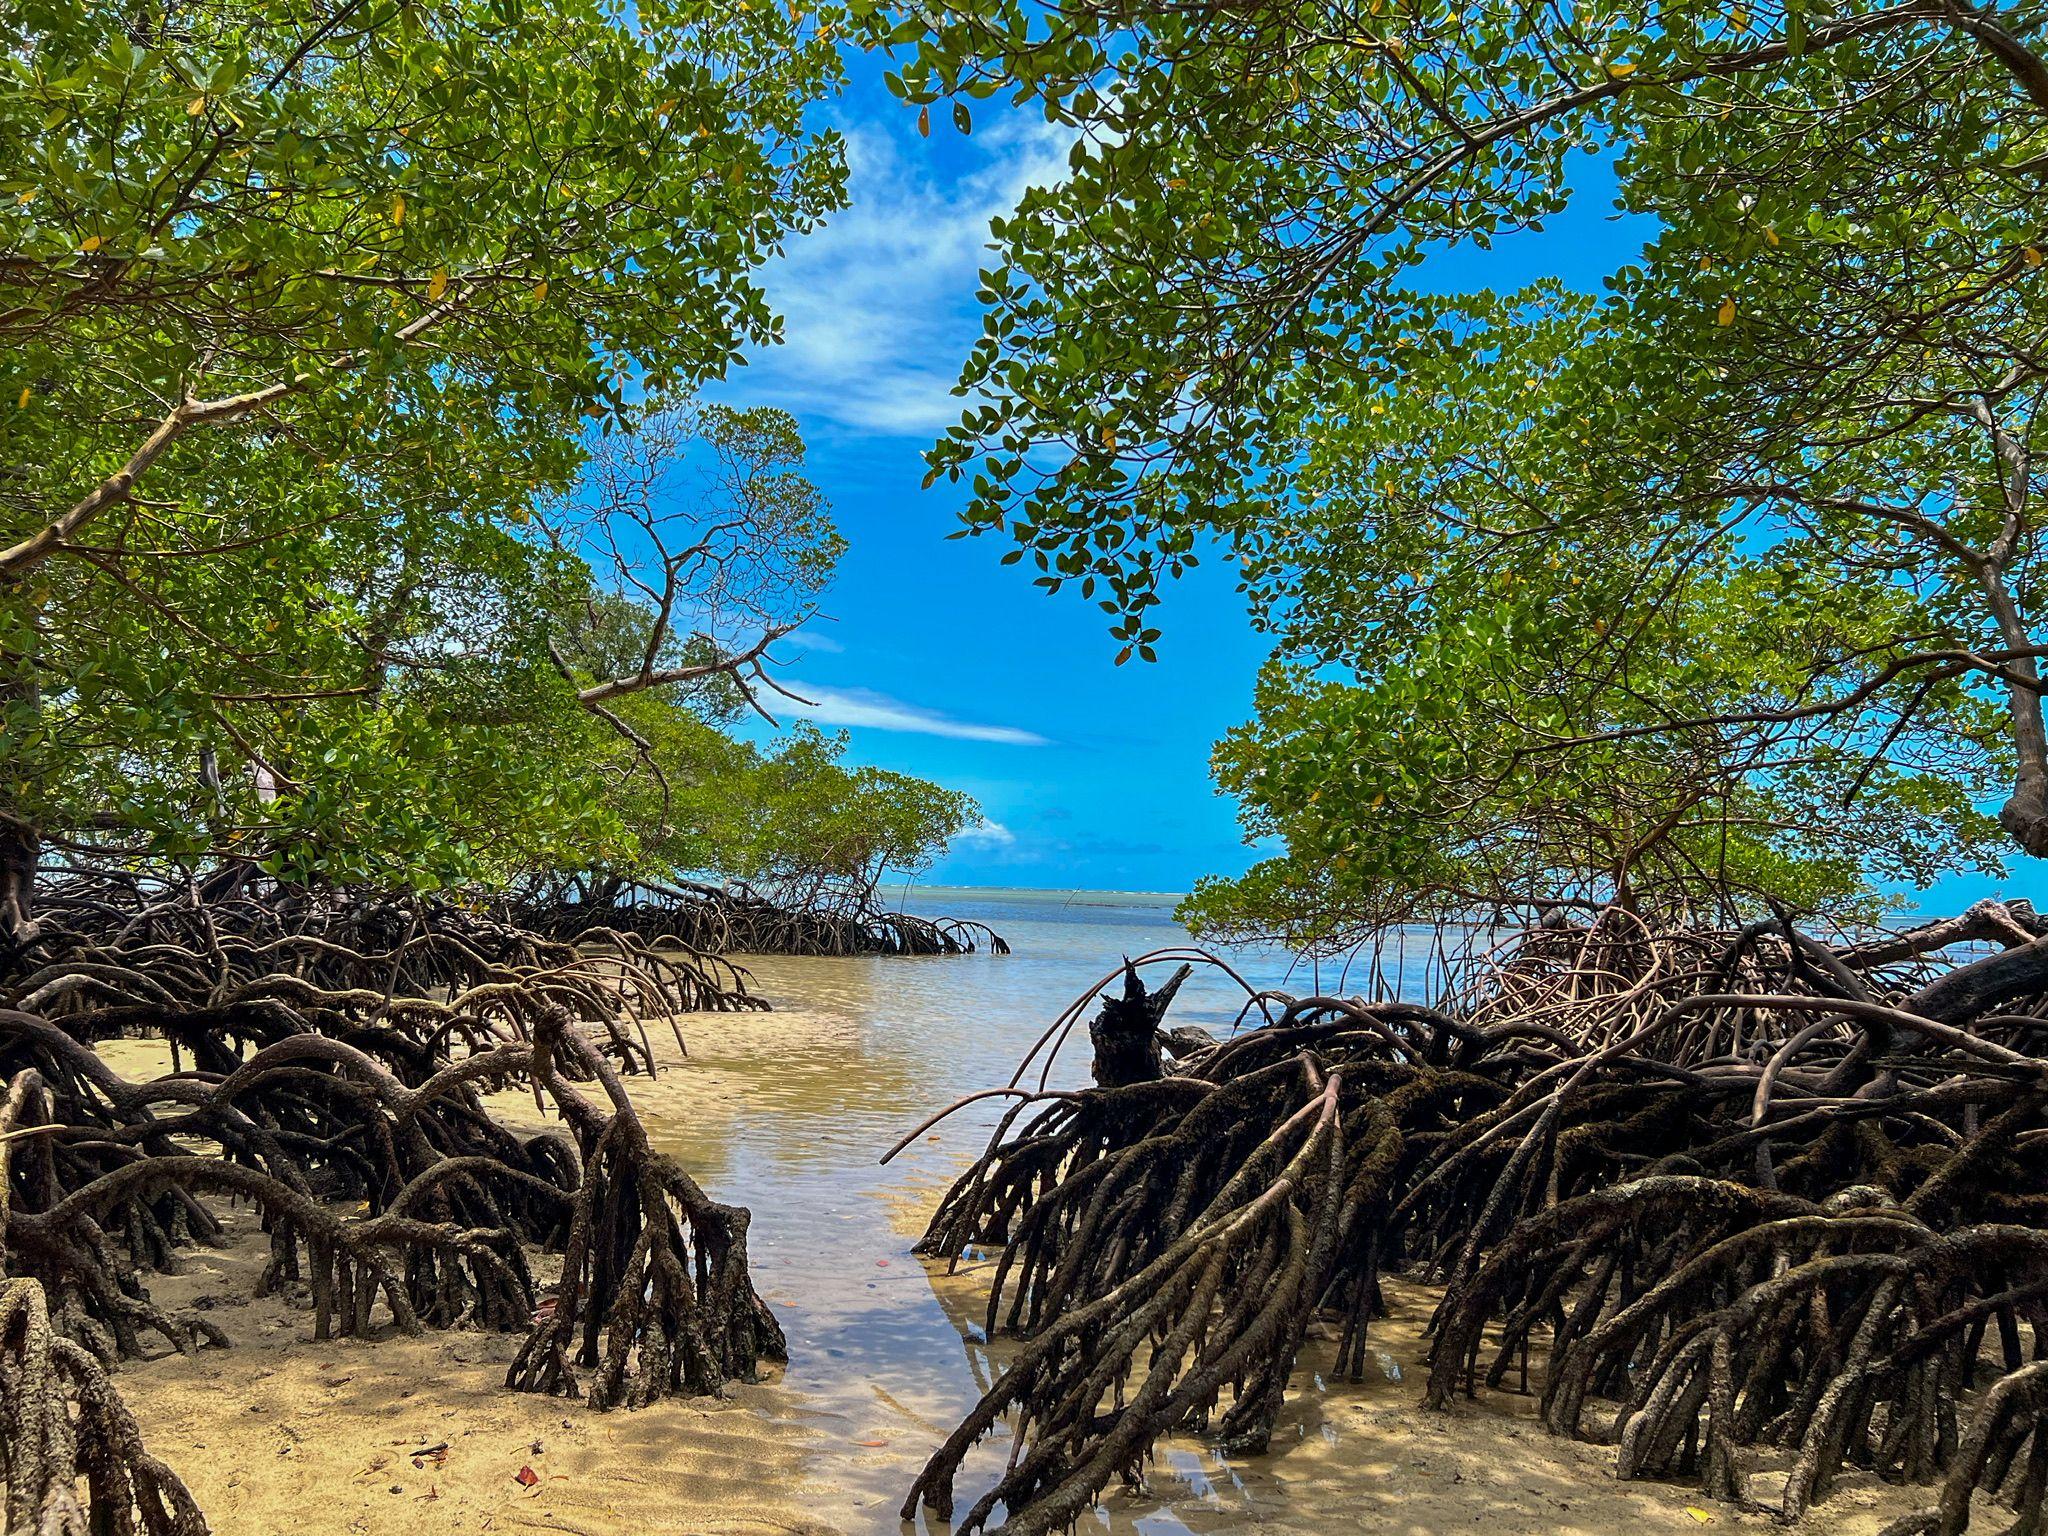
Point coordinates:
[(1969, 991), (19, 849), (1126, 1033), (2025, 815), (228, 880)]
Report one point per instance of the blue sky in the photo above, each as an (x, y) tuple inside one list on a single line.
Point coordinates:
[(932, 657), (935, 659)]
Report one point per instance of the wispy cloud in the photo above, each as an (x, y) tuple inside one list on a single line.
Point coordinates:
[(879, 306), (810, 640), (878, 711), (989, 835)]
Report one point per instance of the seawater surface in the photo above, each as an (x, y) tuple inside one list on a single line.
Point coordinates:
[(789, 1112)]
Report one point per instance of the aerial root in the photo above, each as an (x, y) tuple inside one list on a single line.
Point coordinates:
[(1715, 1198), (708, 920), (2004, 1455), (63, 1424), (331, 1051), (654, 1297)]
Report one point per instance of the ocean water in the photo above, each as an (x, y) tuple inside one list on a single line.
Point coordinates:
[(788, 1113)]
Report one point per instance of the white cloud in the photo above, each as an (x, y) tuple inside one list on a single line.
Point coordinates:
[(808, 640), (863, 706), (878, 306), (990, 834)]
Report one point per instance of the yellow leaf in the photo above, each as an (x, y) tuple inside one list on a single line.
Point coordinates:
[(1699, 1514), (1620, 69), (1726, 314), (1738, 17), (540, 291), (25, 393), (27, 197), (397, 211), (2033, 257), (1770, 236), (438, 283), (195, 106), (90, 244)]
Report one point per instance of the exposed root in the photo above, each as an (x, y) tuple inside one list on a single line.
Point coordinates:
[(2005, 1454), (62, 1422), (654, 1292), (60, 1419), (331, 1050), (734, 919), (1751, 1192)]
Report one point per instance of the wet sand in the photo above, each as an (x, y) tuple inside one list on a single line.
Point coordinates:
[(786, 1111)]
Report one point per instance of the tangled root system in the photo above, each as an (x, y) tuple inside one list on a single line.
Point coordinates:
[(1723, 1200), (61, 1421), (736, 919), (331, 1051)]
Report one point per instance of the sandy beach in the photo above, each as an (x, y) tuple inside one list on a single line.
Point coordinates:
[(403, 1435)]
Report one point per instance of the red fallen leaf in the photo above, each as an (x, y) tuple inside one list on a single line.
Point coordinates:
[(871, 1442), (526, 1477), (881, 1263)]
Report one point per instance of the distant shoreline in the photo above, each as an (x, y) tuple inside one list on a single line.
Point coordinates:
[(1080, 896), (898, 894)]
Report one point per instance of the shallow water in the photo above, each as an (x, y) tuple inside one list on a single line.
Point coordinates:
[(885, 1357)]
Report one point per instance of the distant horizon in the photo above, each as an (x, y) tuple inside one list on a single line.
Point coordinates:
[(918, 889), (1927, 906), (904, 887)]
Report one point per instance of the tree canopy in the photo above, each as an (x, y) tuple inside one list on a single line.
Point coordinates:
[(1716, 586), (357, 517)]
